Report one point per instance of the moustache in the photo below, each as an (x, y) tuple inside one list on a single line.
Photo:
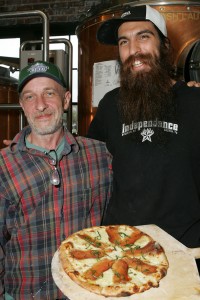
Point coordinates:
[(145, 58)]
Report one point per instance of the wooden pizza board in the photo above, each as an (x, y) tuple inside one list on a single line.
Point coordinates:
[(182, 281)]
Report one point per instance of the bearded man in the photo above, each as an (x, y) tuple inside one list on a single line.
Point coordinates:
[(151, 127)]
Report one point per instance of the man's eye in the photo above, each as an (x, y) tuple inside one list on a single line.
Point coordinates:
[(28, 97), (144, 36), (122, 42), (49, 94)]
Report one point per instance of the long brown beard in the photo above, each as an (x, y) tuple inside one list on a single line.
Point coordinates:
[(147, 96)]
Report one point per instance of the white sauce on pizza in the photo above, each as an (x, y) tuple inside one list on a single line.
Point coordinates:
[(113, 260)]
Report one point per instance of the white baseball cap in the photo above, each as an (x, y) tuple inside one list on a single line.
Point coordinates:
[(107, 32)]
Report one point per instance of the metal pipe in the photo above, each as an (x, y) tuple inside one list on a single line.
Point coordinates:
[(21, 120), (155, 2), (69, 44), (10, 106), (45, 26)]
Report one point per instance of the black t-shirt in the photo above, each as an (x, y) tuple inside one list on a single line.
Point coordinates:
[(153, 183)]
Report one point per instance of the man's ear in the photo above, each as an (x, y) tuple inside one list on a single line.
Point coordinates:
[(67, 98)]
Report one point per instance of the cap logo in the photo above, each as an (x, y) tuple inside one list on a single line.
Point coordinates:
[(38, 68), (126, 14)]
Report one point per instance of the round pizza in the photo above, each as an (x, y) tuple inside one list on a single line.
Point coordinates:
[(115, 261)]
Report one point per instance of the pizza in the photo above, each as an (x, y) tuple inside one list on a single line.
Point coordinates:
[(115, 261)]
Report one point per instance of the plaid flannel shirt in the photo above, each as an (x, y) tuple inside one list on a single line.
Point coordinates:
[(35, 216)]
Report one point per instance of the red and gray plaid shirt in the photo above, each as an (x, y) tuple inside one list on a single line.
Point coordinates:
[(35, 216)]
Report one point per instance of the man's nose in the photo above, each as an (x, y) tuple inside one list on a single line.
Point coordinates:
[(134, 48), (40, 103)]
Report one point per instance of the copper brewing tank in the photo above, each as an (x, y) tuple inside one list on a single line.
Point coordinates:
[(183, 24), (10, 118)]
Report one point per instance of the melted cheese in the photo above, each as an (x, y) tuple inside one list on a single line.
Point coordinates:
[(100, 235)]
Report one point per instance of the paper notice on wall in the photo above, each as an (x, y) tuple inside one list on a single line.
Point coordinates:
[(105, 79)]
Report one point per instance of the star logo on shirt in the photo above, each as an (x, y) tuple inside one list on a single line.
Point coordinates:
[(147, 133)]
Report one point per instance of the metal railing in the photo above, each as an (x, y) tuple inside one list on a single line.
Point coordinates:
[(45, 26)]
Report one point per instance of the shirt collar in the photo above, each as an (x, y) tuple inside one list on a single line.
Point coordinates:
[(70, 143)]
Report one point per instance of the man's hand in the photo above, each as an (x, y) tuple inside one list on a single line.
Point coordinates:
[(6, 142), (193, 83)]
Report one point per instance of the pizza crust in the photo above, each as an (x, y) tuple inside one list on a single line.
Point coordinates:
[(111, 246)]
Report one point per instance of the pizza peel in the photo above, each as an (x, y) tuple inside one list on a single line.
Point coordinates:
[(181, 282)]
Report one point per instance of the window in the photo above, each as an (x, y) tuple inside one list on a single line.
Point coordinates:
[(9, 48)]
